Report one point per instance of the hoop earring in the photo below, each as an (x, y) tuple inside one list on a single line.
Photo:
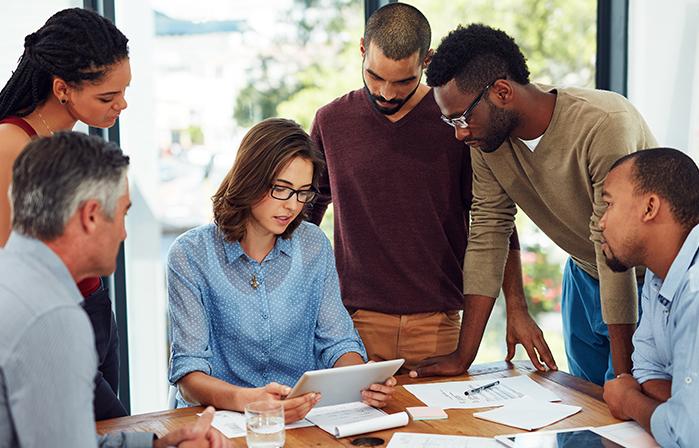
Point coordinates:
[(63, 101)]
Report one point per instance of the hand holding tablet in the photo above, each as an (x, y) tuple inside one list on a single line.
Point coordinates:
[(344, 384)]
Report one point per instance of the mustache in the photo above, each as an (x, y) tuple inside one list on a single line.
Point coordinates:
[(384, 100)]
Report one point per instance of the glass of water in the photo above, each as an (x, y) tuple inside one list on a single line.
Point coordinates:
[(265, 424)]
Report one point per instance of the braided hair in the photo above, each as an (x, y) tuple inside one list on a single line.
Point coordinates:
[(76, 45)]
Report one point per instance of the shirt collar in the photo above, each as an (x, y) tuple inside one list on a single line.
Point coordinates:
[(31, 247), (234, 250), (683, 261)]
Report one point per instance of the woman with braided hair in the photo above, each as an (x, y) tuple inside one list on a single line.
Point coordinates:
[(75, 67)]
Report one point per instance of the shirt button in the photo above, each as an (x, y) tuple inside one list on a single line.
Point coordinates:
[(666, 312), (688, 380), (264, 316)]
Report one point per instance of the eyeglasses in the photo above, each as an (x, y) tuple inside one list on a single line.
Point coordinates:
[(283, 193), (461, 121)]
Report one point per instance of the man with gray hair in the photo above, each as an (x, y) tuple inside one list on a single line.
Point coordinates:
[(401, 189), (69, 197)]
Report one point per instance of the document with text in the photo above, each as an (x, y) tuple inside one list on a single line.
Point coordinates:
[(450, 395), (348, 419)]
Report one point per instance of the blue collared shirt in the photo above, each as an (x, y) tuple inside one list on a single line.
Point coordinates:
[(48, 360), (667, 345), (294, 321)]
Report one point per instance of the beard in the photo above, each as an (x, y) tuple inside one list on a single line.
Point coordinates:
[(615, 264), (635, 255), (399, 102), (501, 125)]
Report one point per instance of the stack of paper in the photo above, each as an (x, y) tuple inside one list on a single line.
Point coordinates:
[(529, 413)]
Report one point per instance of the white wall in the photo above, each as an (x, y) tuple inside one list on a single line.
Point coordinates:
[(19, 19), (664, 69)]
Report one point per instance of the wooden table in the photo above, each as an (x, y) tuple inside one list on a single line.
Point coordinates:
[(572, 390)]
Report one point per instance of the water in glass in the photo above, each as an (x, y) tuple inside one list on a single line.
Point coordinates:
[(265, 432)]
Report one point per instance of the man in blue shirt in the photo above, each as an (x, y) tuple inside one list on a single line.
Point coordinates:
[(651, 220), (69, 198)]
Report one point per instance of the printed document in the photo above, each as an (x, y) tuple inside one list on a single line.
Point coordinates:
[(450, 395), (348, 419)]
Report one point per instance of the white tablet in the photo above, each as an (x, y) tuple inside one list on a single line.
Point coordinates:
[(344, 384), (568, 438)]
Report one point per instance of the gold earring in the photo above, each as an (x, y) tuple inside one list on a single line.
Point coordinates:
[(63, 101)]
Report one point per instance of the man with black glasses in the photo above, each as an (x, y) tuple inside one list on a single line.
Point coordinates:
[(401, 189), (547, 151)]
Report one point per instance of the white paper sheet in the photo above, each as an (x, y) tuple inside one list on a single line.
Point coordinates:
[(232, 424), (630, 433), (409, 440), (529, 413), (348, 419), (450, 395)]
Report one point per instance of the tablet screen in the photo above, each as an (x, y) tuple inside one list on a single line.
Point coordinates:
[(574, 439)]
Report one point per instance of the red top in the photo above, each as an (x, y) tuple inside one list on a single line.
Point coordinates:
[(17, 121), (89, 285)]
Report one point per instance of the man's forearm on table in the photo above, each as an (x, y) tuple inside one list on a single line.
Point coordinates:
[(621, 343)]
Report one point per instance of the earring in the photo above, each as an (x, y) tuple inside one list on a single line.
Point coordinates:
[(63, 101)]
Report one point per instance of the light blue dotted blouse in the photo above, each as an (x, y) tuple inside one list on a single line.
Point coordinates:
[(293, 322)]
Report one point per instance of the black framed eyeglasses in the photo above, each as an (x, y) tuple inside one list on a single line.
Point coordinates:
[(461, 121), (303, 196)]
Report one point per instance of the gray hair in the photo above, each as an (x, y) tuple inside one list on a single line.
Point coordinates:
[(54, 176)]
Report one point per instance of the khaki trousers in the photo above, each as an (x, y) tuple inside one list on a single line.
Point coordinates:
[(413, 337)]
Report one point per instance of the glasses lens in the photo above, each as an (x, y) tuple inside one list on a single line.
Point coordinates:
[(306, 195), (281, 193), (448, 121), (460, 122)]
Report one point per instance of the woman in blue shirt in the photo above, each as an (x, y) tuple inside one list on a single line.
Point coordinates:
[(254, 297)]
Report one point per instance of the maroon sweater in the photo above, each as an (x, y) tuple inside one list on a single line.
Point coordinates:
[(401, 194)]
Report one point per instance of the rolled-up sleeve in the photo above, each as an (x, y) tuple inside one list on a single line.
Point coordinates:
[(189, 324), (335, 334)]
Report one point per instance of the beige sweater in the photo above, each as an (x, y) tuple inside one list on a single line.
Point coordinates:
[(559, 186)]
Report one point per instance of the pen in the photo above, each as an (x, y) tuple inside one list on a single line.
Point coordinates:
[(482, 388)]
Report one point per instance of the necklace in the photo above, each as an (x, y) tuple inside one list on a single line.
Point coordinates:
[(254, 283), (42, 119)]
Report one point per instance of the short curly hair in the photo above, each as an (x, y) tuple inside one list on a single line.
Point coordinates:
[(475, 56)]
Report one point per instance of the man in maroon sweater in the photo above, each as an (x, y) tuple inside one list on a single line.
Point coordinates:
[(401, 188)]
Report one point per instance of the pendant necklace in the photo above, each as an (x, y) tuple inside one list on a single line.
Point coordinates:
[(47, 126), (254, 283)]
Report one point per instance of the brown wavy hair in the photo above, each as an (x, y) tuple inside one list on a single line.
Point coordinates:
[(264, 152)]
